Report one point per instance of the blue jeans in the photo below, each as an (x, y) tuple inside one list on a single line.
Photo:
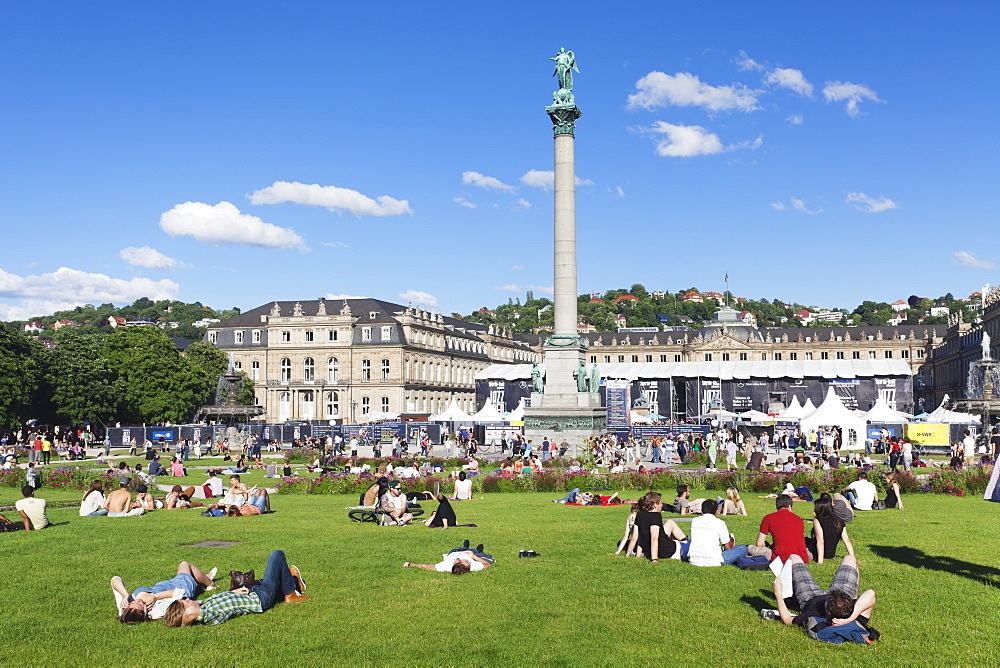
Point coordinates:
[(260, 502), (731, 555), (100, 512), (278, 581), (657, 455), (571, 497), (852, 497)]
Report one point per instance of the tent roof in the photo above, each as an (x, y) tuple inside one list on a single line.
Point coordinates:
[(488, 413), (452, 414), (881, 412), (832, 412), (942, 414), (517, 414), (793, 412)]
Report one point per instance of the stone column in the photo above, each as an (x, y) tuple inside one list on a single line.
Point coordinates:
[(565, 236)]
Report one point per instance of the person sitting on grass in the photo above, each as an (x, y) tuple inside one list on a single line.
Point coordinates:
[(177, 468), (237, 493), (463, 488), (458, 561), (148, 603), (828, 530), (120, 502), (893, 493), (786, 530), (832, 615), (213, 486), (281, 583), (708, 534), (374, 493), (629, 524), (682, 505), (180, 497), (259, 503), (444, 516), (861, 493), (93, 501), (653, 539), (394, 506), (32, 512), (145, 500), (733, 504)]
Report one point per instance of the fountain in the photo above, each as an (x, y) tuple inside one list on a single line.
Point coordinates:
[(980, 384), (227, 409)]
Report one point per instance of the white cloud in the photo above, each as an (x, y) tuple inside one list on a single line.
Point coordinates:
[(545, 179), (685, 141), (619, 192), (544, 289), (510, 287), (799, 205), (331, 197), (483, 181), (517, 267), (333, 297), (657, 89), (144, 256), (778, 206), (520, 204), (222, 224), (786, 77), (795, 119), (65, 288), (967, 259), (745, 63), (334, 244), (418, 297), (863, 202), (461, 201), (837, 91)]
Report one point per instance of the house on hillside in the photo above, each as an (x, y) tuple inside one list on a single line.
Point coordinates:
[(714, 295), (692, 296), (657, 294), (749, 318), (621, 320), (899, 305), (59, 324), (205, 322), (32, 327), (805, 316), (897, 319), (628, 300)]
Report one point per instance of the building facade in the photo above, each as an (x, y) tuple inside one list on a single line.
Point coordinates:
[(337, 361)]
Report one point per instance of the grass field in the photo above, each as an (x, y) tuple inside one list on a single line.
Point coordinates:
[(934, 567)]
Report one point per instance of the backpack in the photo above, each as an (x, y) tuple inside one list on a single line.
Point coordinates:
[(822, 630), (753, 563)]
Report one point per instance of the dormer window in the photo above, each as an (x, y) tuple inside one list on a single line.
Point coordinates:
[(372, 315)]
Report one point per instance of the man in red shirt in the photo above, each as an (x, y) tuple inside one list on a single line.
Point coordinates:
[(786, 529)]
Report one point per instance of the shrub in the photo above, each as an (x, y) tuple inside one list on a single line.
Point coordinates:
[(767, 482)]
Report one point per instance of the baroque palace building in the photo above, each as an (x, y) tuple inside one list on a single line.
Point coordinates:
[(361, 356), (743, 367)]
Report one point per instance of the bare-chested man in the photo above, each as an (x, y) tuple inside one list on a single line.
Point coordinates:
[(120, 502)]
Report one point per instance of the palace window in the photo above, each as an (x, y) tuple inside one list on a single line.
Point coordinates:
[(385, 371), (385, 404), (331, 335), (366, 405), (286, 337), (239, 336), (286, 370), (310, 336), (308, 370), (255, 371), (256, 336), (366, 333), (366, 371)]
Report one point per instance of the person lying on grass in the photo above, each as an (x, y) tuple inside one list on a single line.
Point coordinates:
[(281, 583), (444, 516), (149, 603), (179, 497), (833, 615), (458, 561), (578, 498), (260, 503)]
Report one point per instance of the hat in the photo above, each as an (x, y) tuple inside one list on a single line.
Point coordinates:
[(394, 484), (124, 481)]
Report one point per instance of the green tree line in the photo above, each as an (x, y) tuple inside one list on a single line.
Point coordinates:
[(132, 375)]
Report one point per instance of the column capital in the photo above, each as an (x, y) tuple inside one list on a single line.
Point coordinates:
[(563, 119)]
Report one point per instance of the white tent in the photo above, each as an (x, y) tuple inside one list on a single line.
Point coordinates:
[(793, 412), (833, 413), (517, 415), (377, 416), (637, 418), (488, 413), (452, 414), (881, 412), (754, 416), (946, 416), (808, 408)]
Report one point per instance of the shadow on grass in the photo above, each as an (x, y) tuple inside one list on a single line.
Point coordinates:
[(757, 602), (986, 575)]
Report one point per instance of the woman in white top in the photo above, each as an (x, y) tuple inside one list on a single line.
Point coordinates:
[(463, 488), (94, 501)]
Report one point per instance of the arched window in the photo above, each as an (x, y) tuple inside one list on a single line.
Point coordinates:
[(255, 371), (332, 370), (308, 370), (366, 371), (332, 404), (366, 405), (385, 404), (284, 406), (286, 370), (308, 405), (385, 371)]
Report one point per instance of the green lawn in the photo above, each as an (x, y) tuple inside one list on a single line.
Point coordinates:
[(933, 566)]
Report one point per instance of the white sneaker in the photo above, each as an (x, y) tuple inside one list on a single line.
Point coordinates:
[(402, 523), (211, 574)]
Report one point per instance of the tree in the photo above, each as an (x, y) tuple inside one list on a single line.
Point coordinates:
[(158, 384), (19, 377), (82, 384)]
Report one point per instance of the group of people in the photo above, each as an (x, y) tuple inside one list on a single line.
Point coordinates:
[(175, 600)]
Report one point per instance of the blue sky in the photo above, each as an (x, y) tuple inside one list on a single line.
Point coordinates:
[(237, 153)]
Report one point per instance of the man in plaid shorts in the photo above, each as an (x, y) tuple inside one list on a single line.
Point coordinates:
[(839, 605)]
